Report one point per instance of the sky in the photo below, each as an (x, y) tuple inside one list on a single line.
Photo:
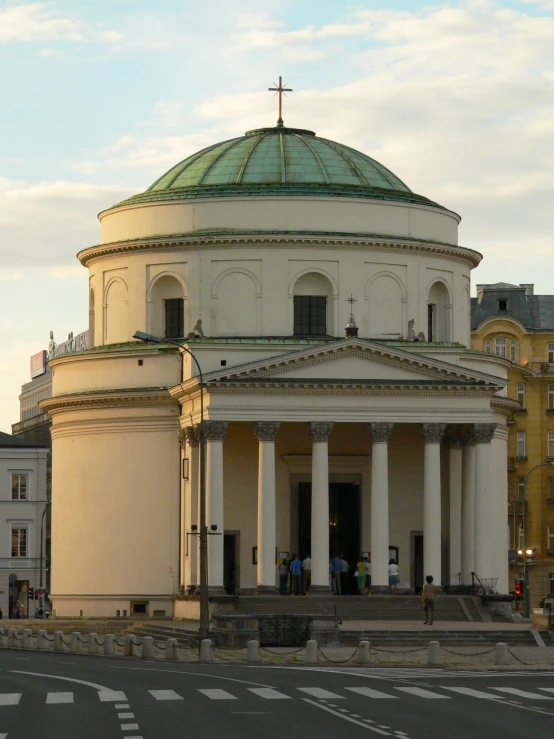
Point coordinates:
[(98, 99)]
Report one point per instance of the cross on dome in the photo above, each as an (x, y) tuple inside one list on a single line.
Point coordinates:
[(280, 90), (351, 300)]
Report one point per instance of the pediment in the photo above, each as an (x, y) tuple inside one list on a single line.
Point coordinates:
[(355, 360)]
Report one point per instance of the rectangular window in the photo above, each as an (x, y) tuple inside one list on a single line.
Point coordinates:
[(500, 347), (19, 543), (550, 488), (488, 346), (550, 537), (550, 354), (431, 312), (20, 485), (513, 350), (521, 488), (551, 584), (550, 445), (521, 443), (520, 537), (310, 315), (174, 318), (521, 394), (551, 397), (502, 304)]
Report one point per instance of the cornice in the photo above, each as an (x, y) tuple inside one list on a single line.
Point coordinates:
[(505, 406), (196, 240), (295, 387), (137, 398)]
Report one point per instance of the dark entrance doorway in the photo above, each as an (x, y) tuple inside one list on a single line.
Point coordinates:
[(344, 523), (231, 581), (417, 559)]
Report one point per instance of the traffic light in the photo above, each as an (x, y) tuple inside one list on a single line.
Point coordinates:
[(519, 589), (31, 593), (36, 594)]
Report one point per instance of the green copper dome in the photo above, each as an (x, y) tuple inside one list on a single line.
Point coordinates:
[(278, 161)]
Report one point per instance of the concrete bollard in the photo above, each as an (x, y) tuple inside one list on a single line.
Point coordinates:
[(58, 642), (27, 636), (206, 652), (12, 642), (501, 653), (434, 653), (253, 651), (92, 643), (109, 647), (312, 655), (362, 658), (130, 647), (42, 641), (171, 649), (148, 649), (75, 644)]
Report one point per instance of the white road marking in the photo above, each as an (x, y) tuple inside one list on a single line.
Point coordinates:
[(9, 699), (68, 679), (165, 695), (320, 693), (111, 696), (196, 674), (269, 693), (422, 693), (370, 693), (60, 698), (216, 694), (122, 706), (3, 736), (347, 718), (524, 694), (472, 692), (125, 715), (547, 690), (129, 727)]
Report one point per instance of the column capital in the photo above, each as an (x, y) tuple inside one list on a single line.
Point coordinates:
[(380, 432), (467, 435), (266, 430), (453, 437), (483, 432), (321, 430), (189, 435), (433, 432), (215, 430)]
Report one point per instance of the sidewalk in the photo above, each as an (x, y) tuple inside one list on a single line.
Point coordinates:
[(367, 626)]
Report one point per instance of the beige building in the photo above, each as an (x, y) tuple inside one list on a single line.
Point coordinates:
[(390, 440)]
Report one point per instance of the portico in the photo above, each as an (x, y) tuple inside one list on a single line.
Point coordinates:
[(437, 458)]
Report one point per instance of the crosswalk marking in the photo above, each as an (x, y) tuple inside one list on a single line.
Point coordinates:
[(129, 727), (471, 692), (547, 690), (165, 695), (524, 694), (217, 694), (320, 693), (422, 693), (269, 693), (9, 699), (111, 696), (59, 698), (127, 714), (370, 693), (3, 736)]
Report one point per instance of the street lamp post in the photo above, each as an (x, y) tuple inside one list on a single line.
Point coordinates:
[(203, 536), (525, 551), (41, 594)]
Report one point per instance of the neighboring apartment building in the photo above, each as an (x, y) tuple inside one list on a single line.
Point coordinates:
[(22, 502), (512, 322)]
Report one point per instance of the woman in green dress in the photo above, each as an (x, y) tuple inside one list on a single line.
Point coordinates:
[(361, 572)]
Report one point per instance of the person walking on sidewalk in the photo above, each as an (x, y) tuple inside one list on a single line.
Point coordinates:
[(428, 595)]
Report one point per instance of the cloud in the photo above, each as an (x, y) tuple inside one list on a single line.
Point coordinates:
[(37, 22), (48, 223)]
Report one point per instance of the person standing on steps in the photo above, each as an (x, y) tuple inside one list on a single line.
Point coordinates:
[(283, 577), (394, 576), (296, 572), (335, 580), (344, 569), (361, 575), (428, 595), (306, 574)]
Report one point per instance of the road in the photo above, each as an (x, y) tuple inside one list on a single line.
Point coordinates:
[(58, 696)]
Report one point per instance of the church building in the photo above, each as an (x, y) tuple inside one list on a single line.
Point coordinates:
[(328, 306)]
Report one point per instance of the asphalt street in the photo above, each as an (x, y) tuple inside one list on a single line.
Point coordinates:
[(55, 696)]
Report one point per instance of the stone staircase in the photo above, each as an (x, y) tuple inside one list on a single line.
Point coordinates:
[(447, 638), (360, 608), (161, 632)]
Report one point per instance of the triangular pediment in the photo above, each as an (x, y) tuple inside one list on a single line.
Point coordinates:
[(354, 360)]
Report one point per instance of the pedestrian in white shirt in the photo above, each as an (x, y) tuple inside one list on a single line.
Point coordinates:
[(306, 574)]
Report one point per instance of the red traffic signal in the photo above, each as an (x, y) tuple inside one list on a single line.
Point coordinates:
[(519, 589)]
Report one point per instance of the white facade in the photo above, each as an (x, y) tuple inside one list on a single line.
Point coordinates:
[(392, 440), (22, 499)]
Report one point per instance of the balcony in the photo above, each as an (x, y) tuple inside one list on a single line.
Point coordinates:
[(519, 505), (511, 464), (541, 368)]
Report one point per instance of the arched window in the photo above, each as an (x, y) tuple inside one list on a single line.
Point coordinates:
[(438, 313), (312, 297), (117, 322), (168, 308), (91, 318)]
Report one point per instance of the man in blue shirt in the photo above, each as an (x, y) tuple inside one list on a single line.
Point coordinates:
[(296, 572), (335, 578)]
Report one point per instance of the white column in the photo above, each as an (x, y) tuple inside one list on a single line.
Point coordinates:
[(380, 436), (455, 507), (432, 560), (484, 567), (320, 433), (215, 431), (468, 505), (190, 509), (266, 431), (499, 508)]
